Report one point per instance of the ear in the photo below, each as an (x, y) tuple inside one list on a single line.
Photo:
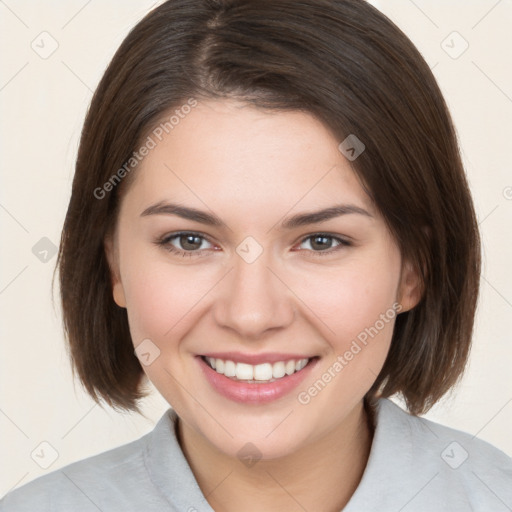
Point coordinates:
[(410, 287), (111, 253)]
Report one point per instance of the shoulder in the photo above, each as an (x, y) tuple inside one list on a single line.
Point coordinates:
[(446, 469), (458, 447), (113, 480)]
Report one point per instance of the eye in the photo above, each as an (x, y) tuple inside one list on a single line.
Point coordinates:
[(189, 243), (322, 243)]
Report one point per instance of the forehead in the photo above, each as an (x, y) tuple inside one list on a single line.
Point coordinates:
[(230, 152)]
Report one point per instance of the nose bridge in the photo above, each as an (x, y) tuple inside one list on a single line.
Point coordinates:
[(254, 299)]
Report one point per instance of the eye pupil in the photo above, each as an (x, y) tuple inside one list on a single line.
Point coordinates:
[(324, 242), (190, 242)]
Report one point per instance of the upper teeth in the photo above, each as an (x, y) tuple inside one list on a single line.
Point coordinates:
[(264, 371)]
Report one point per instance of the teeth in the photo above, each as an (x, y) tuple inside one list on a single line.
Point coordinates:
[(290, 367), (299, 364), (243, 371), (278, 370), (264, 372), (229, 369)]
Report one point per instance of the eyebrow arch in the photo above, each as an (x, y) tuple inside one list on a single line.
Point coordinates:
[(210, 219), (165, 208), (303, 219)]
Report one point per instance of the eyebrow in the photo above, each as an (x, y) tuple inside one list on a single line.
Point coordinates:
[(210, 219)]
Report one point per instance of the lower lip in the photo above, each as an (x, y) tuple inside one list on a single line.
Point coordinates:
[(254, 393)]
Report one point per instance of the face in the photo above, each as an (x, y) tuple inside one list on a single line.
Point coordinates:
[(219, 262)]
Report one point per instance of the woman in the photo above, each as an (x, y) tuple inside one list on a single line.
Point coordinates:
[(270, 222)]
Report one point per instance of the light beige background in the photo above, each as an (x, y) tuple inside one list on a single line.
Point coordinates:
[(43, 103)]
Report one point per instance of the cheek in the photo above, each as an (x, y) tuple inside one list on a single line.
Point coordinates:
[(358, 308), (160, 297), (352, 297)]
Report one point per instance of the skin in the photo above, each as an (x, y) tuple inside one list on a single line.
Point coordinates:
[(252, 168)]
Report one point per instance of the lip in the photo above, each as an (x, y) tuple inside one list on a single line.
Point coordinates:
[(254, 393), (270, 357)]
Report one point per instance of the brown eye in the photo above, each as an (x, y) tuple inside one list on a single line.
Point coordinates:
[(321, 242), (184, 244), (190, 242)]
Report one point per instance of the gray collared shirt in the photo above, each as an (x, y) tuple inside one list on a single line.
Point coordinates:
[(415, 465)]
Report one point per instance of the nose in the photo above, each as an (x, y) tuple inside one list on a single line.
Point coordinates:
[(254, 299)]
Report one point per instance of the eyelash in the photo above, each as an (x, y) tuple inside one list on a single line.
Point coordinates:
[(165, 243)]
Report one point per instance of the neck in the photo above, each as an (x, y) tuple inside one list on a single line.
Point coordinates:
[(320, 476)]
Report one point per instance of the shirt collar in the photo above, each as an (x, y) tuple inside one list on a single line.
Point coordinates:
[(171, 474), (390, 463), (169, 469)]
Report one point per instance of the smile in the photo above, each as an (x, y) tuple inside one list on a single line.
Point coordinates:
[(265, 372), (255, 379)]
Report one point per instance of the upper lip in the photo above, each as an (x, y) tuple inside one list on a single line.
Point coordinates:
[(254, 359)]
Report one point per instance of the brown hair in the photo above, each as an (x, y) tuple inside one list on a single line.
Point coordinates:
[(351, 67)]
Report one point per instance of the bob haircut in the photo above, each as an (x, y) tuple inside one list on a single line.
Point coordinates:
[(353, 69)]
